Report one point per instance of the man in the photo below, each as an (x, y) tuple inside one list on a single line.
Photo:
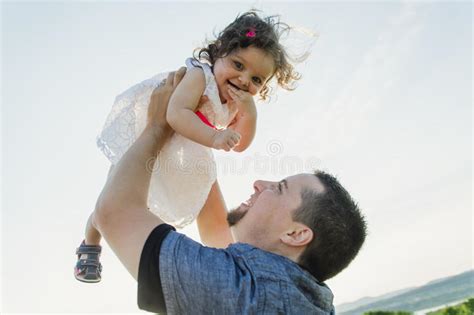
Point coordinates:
[(291, 236)]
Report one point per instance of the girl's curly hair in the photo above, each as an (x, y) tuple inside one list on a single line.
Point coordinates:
[(267, 32)]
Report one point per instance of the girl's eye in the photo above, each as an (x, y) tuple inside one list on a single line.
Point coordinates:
[(257, 80), (238, 65)]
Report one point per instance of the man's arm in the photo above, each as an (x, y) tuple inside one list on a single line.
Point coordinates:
[(121, 213), (212, 220)]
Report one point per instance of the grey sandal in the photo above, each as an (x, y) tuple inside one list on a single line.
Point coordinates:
[(88, 269)]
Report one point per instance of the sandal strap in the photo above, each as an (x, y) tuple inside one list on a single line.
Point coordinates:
[(88, 249), (88, 262)]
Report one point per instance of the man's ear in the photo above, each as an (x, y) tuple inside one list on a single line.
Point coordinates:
[(298, 235)]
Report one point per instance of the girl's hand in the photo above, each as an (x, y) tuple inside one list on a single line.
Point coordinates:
[(225, 139), (243, 101)]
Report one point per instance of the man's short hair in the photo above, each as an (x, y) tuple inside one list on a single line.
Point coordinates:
[(339, 228)]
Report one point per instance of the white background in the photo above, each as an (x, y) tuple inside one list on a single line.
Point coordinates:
[(385, 103)]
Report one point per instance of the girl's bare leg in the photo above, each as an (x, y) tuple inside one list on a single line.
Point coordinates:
[(92, 234)]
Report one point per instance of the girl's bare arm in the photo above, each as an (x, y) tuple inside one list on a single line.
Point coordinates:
[(183, 103), (245, 121), (212, 220), (246, 125)]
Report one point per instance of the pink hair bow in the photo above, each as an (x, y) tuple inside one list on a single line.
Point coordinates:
[(251, 32)]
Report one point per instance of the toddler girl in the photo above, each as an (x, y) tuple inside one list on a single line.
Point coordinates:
[(212, 107)]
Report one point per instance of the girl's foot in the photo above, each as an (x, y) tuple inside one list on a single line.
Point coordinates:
[(88, 267)]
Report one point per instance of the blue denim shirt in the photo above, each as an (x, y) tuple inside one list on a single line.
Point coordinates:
[(240, 279)]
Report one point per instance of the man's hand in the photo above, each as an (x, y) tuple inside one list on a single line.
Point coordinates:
[(159, 100)]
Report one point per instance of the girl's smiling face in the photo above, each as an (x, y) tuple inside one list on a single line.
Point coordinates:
[(247, 69)]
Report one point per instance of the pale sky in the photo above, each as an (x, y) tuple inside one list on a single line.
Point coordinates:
[(385, 103)]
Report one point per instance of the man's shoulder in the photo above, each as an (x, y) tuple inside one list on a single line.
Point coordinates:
[(251, 279), (279, 276), (263, 260)]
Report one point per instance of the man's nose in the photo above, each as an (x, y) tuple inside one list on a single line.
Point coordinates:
[(261, 185)]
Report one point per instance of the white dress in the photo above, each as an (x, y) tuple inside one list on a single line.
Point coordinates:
[(185, 170)]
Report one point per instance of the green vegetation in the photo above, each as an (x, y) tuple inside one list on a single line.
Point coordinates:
[(431, 295), (466, 308)]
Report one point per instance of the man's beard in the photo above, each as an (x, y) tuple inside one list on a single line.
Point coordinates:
[(235, 215)]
